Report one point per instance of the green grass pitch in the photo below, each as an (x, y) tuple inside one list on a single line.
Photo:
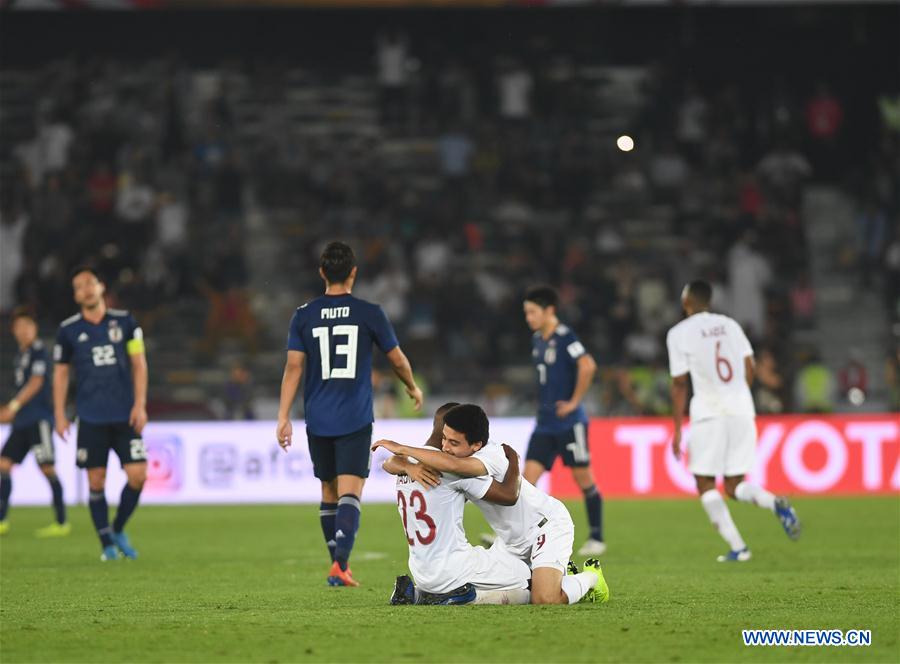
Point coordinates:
[(247, 583)]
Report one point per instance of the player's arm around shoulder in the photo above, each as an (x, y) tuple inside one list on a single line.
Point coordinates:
[(441, 461), (506, 492), (418, 472)]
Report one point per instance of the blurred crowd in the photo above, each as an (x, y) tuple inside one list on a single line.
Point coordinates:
[(479, 179)]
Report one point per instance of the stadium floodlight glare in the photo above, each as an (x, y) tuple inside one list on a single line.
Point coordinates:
[(625, 143)]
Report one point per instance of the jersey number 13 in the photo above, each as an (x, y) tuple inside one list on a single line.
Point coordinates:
[(348, 350)]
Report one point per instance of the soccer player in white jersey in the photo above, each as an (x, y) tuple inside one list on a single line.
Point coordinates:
[(536, 529), (714, 350), (445, 567)]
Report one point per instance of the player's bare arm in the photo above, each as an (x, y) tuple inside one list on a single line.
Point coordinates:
[(290, 382), (403, 370), (446, 463), (31, 388), (418, 472), (679, 402), (749, 370), (60, 391), (138, 416), (507, 491), (587, 367)]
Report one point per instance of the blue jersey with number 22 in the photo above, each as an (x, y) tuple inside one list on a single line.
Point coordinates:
[(337, 332)]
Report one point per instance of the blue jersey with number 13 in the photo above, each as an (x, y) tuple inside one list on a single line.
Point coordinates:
[(337, 332)]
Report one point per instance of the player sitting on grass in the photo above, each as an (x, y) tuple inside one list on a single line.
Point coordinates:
[(536, 529), (445, 567)]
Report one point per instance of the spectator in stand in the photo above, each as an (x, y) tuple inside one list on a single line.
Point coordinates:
[(824, 118), (238, 394), (892, 275), (749, 273), (55, 138), (892, 379), (691, 122), (669, 172), (391, 60), (782, 171), (13, 225), (803, 302), (768, 391), (814, 387), (853, 379), (515, 85), (871, 226)]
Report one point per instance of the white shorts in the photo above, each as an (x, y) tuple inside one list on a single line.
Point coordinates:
[(722, 446), (549, 543), (552, 542), (497, 569)]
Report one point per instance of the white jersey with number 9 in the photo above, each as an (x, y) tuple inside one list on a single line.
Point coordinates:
[(712, 348)]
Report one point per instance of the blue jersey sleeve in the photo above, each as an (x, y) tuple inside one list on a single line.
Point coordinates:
[(39, 364), (62, 351), (383, 331), (572, 346), (295, 338)]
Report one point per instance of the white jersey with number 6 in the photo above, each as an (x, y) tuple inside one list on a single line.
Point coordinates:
[(440, 557), (712, 347)]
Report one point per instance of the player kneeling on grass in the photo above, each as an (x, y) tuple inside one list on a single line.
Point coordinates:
[(31, 415), (535, 528)]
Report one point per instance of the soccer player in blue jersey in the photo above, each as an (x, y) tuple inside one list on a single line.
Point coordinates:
[(31, 415), (106, 349), (330, 345), (564, 371)]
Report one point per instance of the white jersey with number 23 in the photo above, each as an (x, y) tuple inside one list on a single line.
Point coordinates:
[(440, 557)]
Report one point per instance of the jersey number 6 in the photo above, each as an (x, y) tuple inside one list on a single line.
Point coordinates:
[(723, 366)]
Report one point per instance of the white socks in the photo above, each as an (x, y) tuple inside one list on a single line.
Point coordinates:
[(576, 586), (502, 596), (718, 513), (751, 493)]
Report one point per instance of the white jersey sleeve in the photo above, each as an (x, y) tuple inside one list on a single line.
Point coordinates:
[(494, 460), (678, 363), (473, 488)]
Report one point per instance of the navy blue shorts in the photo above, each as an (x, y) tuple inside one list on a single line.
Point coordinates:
[(37, 437), (350, 454), (96, 440), (571, 444)]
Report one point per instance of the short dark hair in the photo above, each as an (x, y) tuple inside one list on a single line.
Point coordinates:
[(337, 262), (700, 291), (471, 421), (543, 296), (442, 410), (22, 312), (84, 267)]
